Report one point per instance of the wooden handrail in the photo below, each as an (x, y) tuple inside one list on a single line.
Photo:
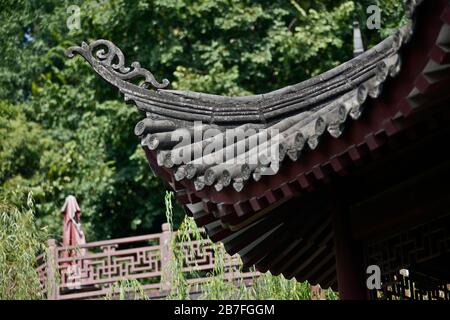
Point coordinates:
[(81, 272)]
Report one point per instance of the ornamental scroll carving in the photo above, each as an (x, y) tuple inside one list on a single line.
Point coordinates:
[(103, 53)]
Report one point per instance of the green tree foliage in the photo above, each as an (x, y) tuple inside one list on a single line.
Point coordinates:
[(20, 241), (64, 131)]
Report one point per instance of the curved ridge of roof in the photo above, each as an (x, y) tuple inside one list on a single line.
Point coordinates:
[(109, 62), (291, 118)]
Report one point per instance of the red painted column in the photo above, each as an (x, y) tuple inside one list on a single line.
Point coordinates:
[(350, 268)]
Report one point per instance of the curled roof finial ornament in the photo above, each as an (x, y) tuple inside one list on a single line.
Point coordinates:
[(104, 54)]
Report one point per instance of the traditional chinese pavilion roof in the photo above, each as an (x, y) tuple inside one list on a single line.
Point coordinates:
[(301, 113), (325, 127)]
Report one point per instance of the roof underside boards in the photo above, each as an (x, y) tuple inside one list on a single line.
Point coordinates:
[(257, 215)]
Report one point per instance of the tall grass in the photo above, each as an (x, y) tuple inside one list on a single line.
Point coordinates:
[(20, 242), (173, 275), (127, 289)]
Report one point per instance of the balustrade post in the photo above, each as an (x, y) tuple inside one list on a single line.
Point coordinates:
[(317, 293), (52, 269), (165, 242)]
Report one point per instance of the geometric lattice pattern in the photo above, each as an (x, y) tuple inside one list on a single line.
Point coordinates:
[(109, 265), (199, 255), (90, 270), (400, 287), (424, 251)]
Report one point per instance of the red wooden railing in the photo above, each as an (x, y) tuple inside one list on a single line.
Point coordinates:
[(90, 271)]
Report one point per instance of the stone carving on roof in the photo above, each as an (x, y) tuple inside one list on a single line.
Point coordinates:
[(293, 119), (97, 56)]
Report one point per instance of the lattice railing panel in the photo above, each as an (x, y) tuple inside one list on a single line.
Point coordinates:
[(89, 271), (415, 249)]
